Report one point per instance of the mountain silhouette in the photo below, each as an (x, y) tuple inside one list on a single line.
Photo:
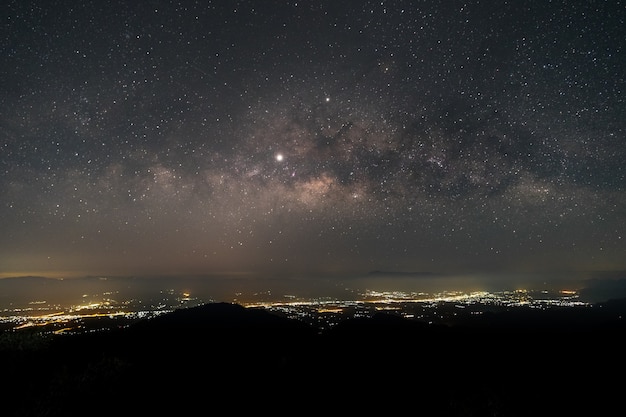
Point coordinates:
[(222, 357)]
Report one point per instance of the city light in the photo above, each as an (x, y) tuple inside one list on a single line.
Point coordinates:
[(321, 312)]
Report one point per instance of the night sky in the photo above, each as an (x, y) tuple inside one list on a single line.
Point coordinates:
[(312, 138)]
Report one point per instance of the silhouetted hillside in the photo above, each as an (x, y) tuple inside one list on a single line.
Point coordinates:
[(519, 362), (226, 358)]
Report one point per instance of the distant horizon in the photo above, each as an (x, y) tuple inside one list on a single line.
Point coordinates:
[(600, 285)]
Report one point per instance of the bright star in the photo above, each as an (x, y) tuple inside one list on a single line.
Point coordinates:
[(279, 157)]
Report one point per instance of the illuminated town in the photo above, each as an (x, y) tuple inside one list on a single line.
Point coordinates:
[(107, 310)]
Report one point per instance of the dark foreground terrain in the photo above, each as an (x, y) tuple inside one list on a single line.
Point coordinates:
[(222, 358)]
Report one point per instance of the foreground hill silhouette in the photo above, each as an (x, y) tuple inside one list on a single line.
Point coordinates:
[(223, 357)]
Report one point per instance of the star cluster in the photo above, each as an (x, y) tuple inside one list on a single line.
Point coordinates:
[(286, 137)]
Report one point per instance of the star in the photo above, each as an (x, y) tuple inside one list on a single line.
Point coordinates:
[(428, 136)]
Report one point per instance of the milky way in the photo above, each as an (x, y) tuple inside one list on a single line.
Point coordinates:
[(312, 138)]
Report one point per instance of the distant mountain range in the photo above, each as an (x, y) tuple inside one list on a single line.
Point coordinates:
[(237, 289), (222, 357), (207, 288)]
